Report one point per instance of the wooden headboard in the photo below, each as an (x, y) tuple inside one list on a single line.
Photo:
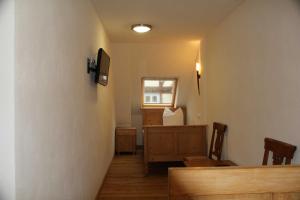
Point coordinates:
[(154, 116)]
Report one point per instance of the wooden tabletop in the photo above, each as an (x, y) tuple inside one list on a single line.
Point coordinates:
[(209, 163)]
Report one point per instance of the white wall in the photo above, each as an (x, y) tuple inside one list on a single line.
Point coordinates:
[(196, 103), (253, 67), (64, 122), (7, 143), (136, 60)]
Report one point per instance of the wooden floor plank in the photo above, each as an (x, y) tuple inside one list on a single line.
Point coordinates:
[(125, 180)]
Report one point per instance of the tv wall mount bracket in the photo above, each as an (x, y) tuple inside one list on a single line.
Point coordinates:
[(91, 65)]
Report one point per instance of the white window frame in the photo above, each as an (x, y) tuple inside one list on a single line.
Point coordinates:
[(159, 105)]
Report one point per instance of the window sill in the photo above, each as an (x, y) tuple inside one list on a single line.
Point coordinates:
[(156, 107)]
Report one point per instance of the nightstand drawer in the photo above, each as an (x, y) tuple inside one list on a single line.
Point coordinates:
[(126, 131)]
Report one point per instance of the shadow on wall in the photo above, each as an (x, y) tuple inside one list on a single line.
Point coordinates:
[(91, 83), (2, 192), (1, 3)]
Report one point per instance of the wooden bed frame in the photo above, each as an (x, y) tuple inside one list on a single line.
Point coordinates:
[(170, 143), (235, 183)]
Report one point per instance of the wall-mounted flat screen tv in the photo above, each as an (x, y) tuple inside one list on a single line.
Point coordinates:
[(102, 67)]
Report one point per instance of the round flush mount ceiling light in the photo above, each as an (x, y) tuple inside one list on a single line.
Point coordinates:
[(141, 28)]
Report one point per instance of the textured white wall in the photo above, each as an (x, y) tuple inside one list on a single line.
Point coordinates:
[(196, 103), (253, 67), (136, 60), (64, 122), (7, 68)]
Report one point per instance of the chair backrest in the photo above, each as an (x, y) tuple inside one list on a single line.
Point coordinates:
[(280, 150), (217, 140)]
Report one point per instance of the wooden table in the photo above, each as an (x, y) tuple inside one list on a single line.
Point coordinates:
[(209, 163)]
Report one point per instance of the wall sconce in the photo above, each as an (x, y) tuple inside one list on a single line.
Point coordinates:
[(198, 71)]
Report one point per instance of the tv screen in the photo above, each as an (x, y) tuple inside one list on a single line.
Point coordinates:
[(102, 67)]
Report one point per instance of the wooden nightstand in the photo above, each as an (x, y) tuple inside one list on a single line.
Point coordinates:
[(125, 140)]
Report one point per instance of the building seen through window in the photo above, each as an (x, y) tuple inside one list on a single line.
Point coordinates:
[(159, 92)]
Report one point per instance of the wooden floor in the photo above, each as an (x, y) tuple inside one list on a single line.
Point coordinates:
[(125, 180)]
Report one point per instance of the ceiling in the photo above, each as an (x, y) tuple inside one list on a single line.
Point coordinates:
[(172, 20)]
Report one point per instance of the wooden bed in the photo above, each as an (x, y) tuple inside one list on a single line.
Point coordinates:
[(235, 183), (170, 143)]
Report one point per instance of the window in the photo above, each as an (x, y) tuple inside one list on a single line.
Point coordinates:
[(159, 92), (147, 99)]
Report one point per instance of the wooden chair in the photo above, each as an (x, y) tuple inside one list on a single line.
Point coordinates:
[(216, 145), (280, 150)]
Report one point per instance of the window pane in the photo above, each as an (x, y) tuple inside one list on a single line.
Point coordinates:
[(158, 92), (168, 83), (154, 99), (167, 98), (151, 83), (147, 99)]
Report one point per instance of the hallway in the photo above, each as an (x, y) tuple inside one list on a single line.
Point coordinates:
[(73, 72), (126, 180)]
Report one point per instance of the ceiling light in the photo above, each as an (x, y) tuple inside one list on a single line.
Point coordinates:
[(141, 28)]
